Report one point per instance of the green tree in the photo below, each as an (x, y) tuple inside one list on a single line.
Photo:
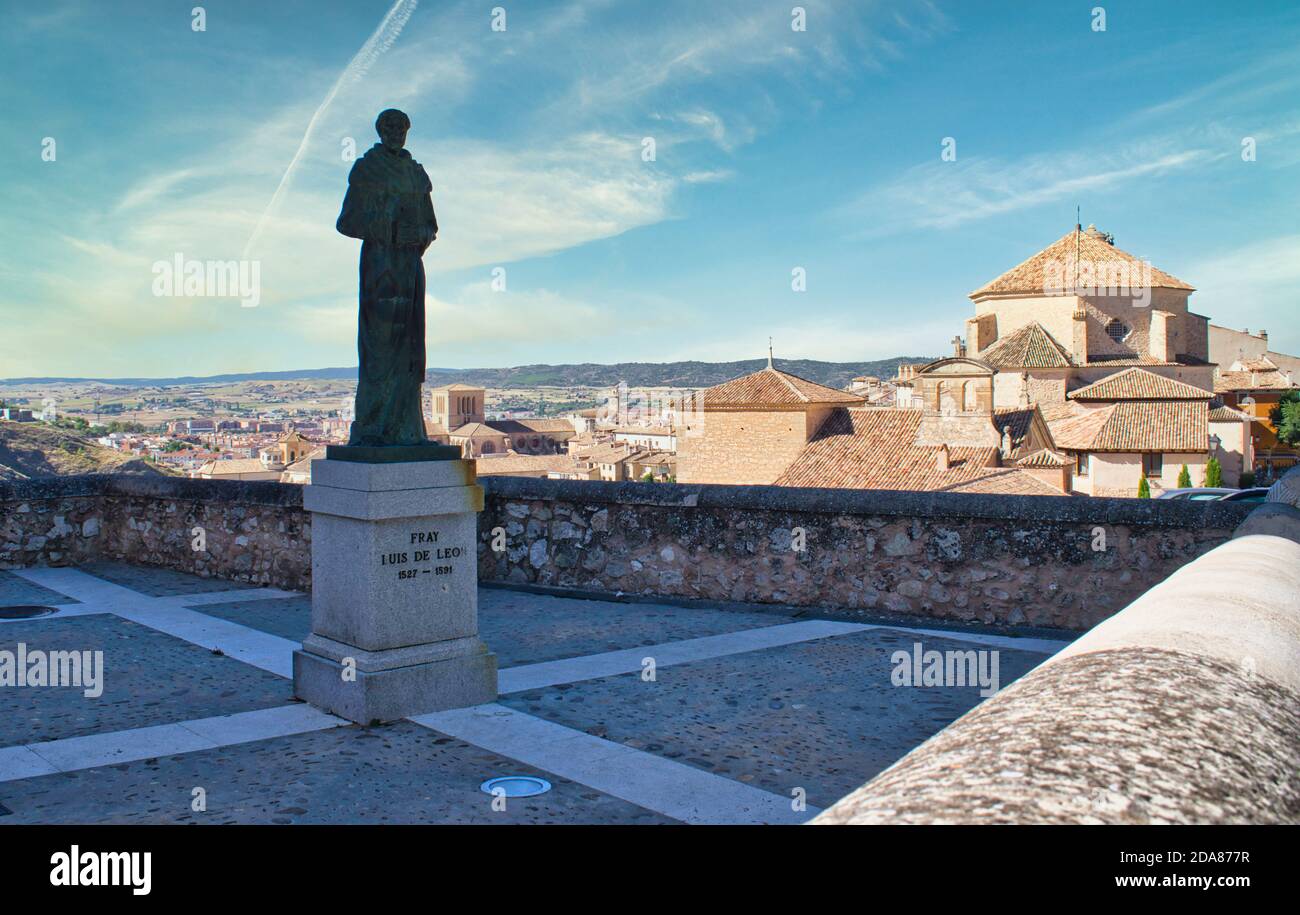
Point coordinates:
[(1213, 473), (1144, 488), (1285, 417), (1184, 478)]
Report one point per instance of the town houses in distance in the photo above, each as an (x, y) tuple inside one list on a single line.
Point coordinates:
[(1082, 371)]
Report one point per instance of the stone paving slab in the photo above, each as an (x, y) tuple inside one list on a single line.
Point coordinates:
[(288, 617), (398, 773), (525, 628), (820, 715), (149, 678), (158, 582), (17, 590)]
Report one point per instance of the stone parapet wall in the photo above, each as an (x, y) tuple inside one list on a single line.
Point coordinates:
[(993, 560), (248, 531)]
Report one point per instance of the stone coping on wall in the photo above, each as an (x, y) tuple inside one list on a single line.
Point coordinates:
[(879, 502), (251, 492), (1184, 707)]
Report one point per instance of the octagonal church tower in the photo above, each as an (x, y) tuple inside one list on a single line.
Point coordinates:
[(1079, 310)]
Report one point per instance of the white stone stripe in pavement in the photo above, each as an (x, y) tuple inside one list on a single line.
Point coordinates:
[(1043, 646), (87, 588), (609, 663), (671, 788), (653, 782), (252, 646), (73, 753), (228, 597)]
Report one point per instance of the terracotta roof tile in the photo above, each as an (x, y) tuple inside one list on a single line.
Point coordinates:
[(1007, 481), (1031, 276), (1027, 347), (1267, 380), (1044, 458), (522, 463), (1222, 413), (526, 426), (873, 448), (770, 387), (1135, 425), (1139, 384)]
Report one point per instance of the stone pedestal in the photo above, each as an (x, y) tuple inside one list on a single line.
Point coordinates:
[(394, 607)]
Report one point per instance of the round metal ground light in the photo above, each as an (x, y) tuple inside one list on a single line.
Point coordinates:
[(516, 786), (25, 612)]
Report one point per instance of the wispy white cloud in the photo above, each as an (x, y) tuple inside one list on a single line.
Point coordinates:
[(387, 32), (947, 194)]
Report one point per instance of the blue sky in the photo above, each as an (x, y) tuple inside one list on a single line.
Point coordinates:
[(775, 149)]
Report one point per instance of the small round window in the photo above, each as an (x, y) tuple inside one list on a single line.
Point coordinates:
[(1117, 330)]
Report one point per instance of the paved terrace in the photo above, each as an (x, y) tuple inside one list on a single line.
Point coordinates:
[(744, 711)]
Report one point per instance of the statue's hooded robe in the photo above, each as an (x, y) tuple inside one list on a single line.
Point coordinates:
[(386, 189)]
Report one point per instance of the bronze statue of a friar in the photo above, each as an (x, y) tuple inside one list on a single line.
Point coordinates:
[(390, 208)]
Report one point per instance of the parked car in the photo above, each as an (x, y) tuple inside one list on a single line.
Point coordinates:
[(1254, 494), (1198, 493)]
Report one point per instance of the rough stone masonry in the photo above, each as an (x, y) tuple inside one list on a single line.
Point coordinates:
[(993, 560), (1036, 561)]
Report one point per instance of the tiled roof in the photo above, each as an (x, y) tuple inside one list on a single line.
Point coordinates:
[(642, 430), (871, 448), (457, 387), (1267, 380), (1044, 458), (770, 387), (1027, 347), (1074, 426), (608, 453), (1123, 360), (1031, 275), (1134, 425), (1139, 384), (1160, 425), (526, 426), (1222, 413), (1007, 481), (521, 463), (234, 466), (476, 430)]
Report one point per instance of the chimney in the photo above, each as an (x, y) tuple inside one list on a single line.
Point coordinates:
[(1079, 333), (1263, 335), (941, 462)]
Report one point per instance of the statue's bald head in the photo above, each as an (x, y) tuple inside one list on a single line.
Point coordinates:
[(392, 126)]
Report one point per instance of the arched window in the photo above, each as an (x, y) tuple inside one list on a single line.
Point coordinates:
[(968, 397)]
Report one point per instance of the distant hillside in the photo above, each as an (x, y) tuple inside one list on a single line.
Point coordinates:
[(586, 374), (663, 374), (37, 450), (350, 373)]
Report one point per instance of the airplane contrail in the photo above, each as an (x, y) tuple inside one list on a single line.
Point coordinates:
[(379, 42)]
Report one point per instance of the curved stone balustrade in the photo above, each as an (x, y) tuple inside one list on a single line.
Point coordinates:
[(1184, 707)]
